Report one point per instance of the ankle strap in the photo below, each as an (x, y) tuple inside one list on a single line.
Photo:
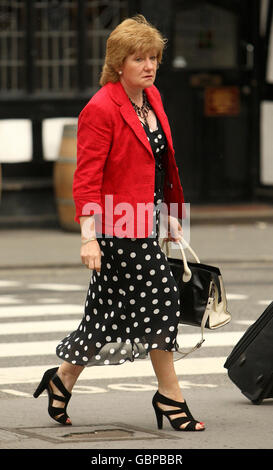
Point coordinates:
[(167, 401), (57, 381)]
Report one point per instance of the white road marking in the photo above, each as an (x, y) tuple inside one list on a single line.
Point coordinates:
[(37, 310), (236, 296), (129, 387), (140, 368), (41, 348), (9, 299), (17, 328), (49, 300), (265, 302), (17, 393), (4, 283), (189, 366), (58, 287), (31, 348)]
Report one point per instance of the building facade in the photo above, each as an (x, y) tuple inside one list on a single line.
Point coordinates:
[(216, 82)]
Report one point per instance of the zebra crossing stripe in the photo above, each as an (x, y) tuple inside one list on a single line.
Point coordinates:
[(26, 327), (58, 287), (41, 348), (37, 310), (139, 368), (4, 283)]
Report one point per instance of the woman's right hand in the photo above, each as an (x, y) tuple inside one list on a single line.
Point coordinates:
[(91, 255)]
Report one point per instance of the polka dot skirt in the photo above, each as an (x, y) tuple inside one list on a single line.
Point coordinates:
[(132, 305)]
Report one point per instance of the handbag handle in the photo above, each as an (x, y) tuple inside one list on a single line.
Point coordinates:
[(187, 272)]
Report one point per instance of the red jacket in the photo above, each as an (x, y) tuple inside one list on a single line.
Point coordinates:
[(114, 159)]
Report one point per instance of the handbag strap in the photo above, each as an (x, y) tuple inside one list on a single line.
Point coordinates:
[(187, 272), (180, 243), (183, 241), (199, 343), (186, 277), (202, 327)]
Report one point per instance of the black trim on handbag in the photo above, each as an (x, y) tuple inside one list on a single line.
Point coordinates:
[(202, 294)]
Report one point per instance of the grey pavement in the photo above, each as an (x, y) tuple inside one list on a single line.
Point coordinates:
[(217, 234), (125, 420), (232, 422)]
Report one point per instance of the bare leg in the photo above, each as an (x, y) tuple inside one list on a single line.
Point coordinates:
[(168, 384), (68, 373)]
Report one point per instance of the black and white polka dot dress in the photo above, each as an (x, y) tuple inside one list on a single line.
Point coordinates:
[(132, 304)]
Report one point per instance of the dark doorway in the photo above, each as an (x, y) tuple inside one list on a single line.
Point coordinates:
[(209, 92)]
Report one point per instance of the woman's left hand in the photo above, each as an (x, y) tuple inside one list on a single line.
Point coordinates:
[(175, 231)]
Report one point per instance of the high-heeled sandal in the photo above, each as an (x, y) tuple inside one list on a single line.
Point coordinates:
[(58, 414), (181, 407)]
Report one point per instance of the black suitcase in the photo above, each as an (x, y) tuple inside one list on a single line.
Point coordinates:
[(250, 363)]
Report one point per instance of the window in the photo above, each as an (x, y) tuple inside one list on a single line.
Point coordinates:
[(55, 38), (56, 45), (205, 37), (12, 46), (102, 18)]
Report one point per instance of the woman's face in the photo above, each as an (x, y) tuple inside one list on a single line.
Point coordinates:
[(139, 70)]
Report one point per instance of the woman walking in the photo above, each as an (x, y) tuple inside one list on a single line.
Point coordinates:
[(125, 161)]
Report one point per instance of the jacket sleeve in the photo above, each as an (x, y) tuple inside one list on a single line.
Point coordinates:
[(94, 137)]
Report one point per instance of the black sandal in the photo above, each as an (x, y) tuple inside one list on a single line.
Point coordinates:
[(175, 422), (58, 414)]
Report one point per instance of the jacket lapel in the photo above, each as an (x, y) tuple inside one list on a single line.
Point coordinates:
[(128, 113)]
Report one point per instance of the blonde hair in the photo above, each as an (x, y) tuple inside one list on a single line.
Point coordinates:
[(131, 35)]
